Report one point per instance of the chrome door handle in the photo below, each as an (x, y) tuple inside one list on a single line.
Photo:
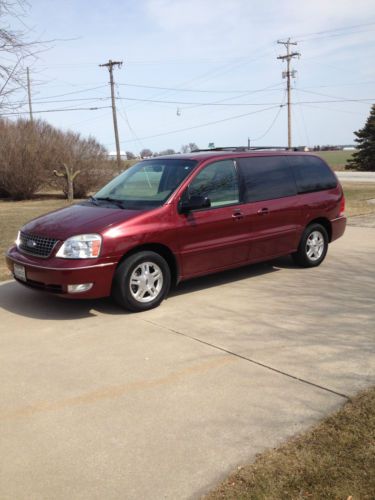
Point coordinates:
[(263, 211), (237, 215)]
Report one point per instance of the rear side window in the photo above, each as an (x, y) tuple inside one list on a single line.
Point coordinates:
[(311, 174), (266, 178)]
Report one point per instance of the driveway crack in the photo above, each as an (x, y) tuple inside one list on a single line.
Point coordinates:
[(250, 360)]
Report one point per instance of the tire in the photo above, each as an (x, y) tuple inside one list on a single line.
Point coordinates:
[(141, 281), (313, 246)]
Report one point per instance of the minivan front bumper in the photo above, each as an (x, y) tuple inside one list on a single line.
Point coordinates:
[(54, 275)]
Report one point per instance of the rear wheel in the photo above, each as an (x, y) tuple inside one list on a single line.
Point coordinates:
[(313, 246), (141, 281)]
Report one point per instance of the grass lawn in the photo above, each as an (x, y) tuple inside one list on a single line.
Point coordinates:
[(334, 460), (335, 159), (356, 195), (13, 214)]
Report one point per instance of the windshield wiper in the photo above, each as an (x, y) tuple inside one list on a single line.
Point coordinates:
[(93, 200), (111, 200)]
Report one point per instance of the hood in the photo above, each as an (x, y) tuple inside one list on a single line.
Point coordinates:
[(78, 219)]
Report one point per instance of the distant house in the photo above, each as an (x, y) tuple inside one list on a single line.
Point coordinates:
[(112, 155)]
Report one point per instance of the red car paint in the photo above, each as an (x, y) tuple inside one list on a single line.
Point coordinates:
[(197, 243)]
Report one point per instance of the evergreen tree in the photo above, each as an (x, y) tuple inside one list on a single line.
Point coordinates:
[(364, 156)]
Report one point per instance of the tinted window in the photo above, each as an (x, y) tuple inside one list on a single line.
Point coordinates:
[(311, 174), (266, 178), (218, 182)]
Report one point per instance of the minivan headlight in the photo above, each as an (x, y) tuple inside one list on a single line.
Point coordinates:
[(83, 246)]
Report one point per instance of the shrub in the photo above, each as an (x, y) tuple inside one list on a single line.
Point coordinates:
[(24, 157), (30, 152)]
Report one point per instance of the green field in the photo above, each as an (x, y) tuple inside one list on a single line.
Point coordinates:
[(335, 159)]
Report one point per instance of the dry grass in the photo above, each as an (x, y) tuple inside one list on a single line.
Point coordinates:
[(334, 460), (357, 196), (13, 214)]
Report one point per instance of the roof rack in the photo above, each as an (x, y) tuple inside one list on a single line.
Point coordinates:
[(245, 148), (225, 148)]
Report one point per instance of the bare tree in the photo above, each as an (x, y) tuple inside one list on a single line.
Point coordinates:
[(16, 50), (82, 165), (168, 151), (188, 148), (130, 155), (146, 153)]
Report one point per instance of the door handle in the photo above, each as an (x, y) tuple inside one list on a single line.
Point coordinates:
[(263, 211), (237, 215)]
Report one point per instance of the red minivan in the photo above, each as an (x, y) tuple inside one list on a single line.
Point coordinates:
[(172, 218)]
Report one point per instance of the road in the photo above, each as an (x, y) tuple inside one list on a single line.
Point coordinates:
[(356, 176), (96, 403)]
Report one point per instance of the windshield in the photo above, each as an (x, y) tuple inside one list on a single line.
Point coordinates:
[(147, 184)]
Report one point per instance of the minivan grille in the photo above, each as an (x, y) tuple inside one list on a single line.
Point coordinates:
[(36, 245)]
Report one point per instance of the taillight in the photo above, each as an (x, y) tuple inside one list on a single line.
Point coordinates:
[(342, 206)]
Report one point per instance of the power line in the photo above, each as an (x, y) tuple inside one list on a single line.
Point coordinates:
[(221, 101), (335, 35), (73, 92), (101, 98), (125, 117), (196, 104), (214, 73), (54, 110), (328, 32), (271, 125), (305, 91), (206, 124), (176, 89), (330, 109), (304, 125)]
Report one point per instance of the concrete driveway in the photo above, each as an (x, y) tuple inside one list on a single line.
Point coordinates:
[(99, 404), (356, 176)]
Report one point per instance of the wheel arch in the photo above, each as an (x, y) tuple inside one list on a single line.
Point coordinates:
[(325, 223), (162, 250)]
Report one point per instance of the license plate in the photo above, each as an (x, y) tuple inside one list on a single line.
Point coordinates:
[(19, 272)]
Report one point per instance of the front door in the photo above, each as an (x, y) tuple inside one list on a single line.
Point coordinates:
[(213, 238)]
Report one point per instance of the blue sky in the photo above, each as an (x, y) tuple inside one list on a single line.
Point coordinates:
[(210, 51)]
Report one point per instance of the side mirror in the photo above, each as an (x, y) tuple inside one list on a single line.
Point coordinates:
[(193, 203)]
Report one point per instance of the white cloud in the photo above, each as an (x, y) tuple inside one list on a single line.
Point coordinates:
[(262, 21)]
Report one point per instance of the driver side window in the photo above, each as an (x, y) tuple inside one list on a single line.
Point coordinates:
[(218, 182)]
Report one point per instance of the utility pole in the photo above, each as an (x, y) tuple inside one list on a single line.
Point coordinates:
[(287, 74), (29, 94), (110, 65)]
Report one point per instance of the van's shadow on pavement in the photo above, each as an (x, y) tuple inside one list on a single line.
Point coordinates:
[(23, 301)]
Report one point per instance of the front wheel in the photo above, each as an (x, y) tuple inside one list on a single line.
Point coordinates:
[(141, 281), (313, 246)]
